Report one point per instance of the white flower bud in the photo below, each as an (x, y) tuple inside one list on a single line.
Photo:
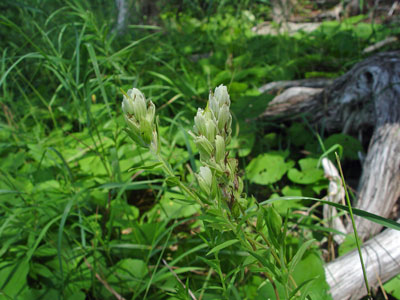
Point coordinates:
[(224, 119), (213, 105), (154, 142), (221, 95), (205, 147), (219, 148), (205, 179), (139, 103), (127, 105), (139, 115), (200, 122), (210, 130), (151, 111), (132, 124)]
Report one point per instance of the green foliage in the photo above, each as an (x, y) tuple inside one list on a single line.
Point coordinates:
[(393, 287), (348, 245), (268, 168), (84, 212)]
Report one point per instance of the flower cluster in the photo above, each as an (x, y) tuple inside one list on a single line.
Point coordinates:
[(212, 133), (139, 116), (212, 129)]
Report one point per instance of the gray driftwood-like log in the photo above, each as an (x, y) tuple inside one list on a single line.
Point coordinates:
[(382, 261), (366, 97)]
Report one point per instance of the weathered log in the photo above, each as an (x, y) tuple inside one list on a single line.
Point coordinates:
[(368, 96), (349, 96), (379, 187), (381, 256), (380, 44), (277, 86), (335, 194)]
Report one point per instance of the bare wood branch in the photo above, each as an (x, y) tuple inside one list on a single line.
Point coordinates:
[(104, 282), (335, 194), (179, 280), (368, 96), (382, 262), (380, 44), (277, 86), (379, 186)]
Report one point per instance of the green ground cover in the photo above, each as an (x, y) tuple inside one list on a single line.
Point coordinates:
[(81, 218)]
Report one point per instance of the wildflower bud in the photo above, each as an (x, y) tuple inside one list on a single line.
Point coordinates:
[(200, 122), (210, 130), (139, 103), (274, 221), (134, 130), (151, 111), (221, 95), (139, 115), (146, 130), (205, 147), (205, 179), (219, 148), (154, 142), (213, 104), (224, 119), (127, 106)]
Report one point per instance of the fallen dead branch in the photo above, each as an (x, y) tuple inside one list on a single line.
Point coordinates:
[(382, 261), (367, 98)]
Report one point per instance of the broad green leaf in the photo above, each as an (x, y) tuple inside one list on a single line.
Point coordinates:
[(131, 268), (309, 172), (243, 143), (13, 277), (311, 267), (222, 246), (299, 134), (351, 146), (268, 168), (170, 207), (393, 287)]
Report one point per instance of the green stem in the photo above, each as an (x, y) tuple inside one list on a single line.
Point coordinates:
[(354, 228), (168, 170)]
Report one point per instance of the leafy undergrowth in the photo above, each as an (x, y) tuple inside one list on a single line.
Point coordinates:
[(80, 216)]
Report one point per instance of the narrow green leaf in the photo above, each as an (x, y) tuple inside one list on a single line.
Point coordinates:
[(222, 246), (304, 286), (299, 254), (148, 167), (96, 68), (137, 185), (5, 192), (362, 213), (263, 261)]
